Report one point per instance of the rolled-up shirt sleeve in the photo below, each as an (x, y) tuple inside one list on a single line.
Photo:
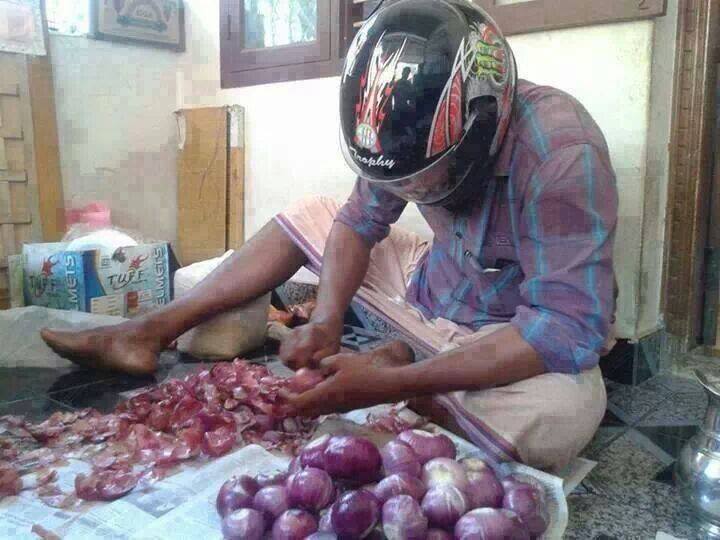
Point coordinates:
[(370, 211), (566, 228)]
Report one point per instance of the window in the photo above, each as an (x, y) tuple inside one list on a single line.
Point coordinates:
[(68, 17), (264, 41)]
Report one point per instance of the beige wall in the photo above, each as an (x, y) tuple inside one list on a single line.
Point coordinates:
[(292, 139), (116, 130)]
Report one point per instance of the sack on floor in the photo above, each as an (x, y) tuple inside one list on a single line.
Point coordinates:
[(229, 334), (20, 328)]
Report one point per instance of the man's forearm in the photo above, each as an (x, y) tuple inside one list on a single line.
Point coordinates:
[(345, 263), (500, 358)]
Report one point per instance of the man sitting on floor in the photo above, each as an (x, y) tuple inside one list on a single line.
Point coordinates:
[(515, 294)]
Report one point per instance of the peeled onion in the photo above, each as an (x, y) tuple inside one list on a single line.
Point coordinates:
[(483, 490), (398, 457), (490, 524), (236, 493), (304, 380), (443, 505), (399, 484), (355, 514), (271, 501), (428, 445), (444, 471), (243, 524), (527, 503), (403, 519), (313, 454), (310, 489), (294, 525), (352, 458)]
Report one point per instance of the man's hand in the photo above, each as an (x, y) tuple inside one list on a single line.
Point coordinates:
[(355, 381), (310, 343)]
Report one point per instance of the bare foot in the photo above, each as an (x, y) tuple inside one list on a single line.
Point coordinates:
[(116, 348)]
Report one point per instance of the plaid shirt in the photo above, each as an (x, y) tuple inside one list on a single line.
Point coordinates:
[(536, 249)]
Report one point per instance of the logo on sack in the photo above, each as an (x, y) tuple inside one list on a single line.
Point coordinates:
[(47, 267), (134, 274), (137, 262)]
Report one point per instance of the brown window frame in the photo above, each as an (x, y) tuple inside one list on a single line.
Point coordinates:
[(544, 15), (338, 24)]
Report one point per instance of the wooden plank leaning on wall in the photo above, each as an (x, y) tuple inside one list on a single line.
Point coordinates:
[(211, 182)]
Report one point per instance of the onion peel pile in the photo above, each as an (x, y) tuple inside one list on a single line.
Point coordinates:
[(207, 413)]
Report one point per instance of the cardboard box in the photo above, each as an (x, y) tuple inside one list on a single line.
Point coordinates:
[(128, 282)]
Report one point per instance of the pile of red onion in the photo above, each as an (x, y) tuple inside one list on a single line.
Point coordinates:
[(207, 414), (343, 487)]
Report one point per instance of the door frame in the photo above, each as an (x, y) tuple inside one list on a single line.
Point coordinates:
[(690, 181)]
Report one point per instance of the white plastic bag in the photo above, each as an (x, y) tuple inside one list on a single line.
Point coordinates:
[(227, 335), (20, 328)]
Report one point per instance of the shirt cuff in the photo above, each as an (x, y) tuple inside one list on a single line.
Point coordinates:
[(561, 346)]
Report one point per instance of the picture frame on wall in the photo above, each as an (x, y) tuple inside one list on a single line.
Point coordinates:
[(156, 23)]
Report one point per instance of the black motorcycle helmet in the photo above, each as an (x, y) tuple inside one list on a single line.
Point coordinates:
[(425, 98)]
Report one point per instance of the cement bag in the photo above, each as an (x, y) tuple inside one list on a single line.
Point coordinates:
[(226, 335)]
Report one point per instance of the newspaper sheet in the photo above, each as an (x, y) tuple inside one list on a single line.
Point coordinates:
[(183, 505)]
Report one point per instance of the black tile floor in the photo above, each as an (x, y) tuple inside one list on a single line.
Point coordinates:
[(628, 495)]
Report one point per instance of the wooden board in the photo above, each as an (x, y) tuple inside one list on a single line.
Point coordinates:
[(236, 179), (202, 184), (46, 178)]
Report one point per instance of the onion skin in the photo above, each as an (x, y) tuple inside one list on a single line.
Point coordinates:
[(526, 501), (490, 524), (310, 489), (440, 471), (444, 505), (398, 457), (403, 519), (399, 484), (294, 525), (354, 459), (355, 514), (484, 490), (428, 445), (236, 493), (243, 524), (313, 454), (271, 501), (438, 534)]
